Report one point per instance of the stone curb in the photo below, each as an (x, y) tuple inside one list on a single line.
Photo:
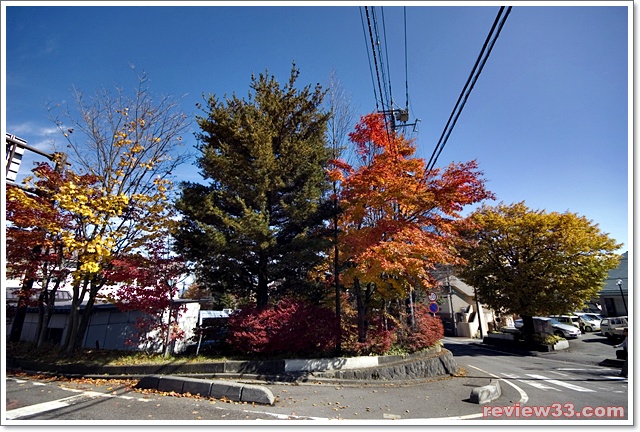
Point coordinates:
[(429, 363), (486, 394), (208, 388)]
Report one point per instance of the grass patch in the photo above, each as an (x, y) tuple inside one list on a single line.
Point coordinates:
[(52, 354)]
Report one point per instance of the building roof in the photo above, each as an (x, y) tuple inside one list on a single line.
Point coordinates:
[(619, 273)]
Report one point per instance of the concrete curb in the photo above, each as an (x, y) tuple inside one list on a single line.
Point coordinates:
[(486, 394), (429, 363), (236, 392)]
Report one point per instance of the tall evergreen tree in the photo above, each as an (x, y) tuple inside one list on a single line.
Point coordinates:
[(254, 228)]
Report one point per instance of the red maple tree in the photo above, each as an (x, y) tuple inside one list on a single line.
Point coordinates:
[(146, 284), (399, 220)]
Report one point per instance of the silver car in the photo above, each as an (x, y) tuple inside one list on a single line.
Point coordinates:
[(559, 329)]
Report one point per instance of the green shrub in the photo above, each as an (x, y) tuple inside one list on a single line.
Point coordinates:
[(547, 339)]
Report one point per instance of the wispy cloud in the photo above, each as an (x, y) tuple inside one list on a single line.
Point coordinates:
[(36, 135), (32, 129), (39, 50)]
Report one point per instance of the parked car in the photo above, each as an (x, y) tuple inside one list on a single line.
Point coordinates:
[(559, 329), (588, 324), (572, 320), (593, 316), (613, 327)]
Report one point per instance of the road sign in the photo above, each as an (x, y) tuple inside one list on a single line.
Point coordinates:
[(433, 297), (434, 308)]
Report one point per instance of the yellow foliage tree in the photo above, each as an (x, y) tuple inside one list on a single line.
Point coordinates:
[(129, 147)]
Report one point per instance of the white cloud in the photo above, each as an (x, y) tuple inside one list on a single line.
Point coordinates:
[(31, 129)]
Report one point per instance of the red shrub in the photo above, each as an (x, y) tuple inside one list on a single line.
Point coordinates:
[(290, 327), (426, 332), (378, 341)]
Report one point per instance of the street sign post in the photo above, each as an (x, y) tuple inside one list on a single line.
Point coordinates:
[(434, 308)]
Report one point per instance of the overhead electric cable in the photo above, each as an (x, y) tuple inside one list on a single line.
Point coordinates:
[(388, 78), (473, 77), (373, 82), (373, 49), (406, 64)]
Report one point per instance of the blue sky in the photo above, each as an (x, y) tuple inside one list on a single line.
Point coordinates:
[(547, 120)]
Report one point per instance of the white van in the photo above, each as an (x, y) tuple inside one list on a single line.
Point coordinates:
[(613, 327)]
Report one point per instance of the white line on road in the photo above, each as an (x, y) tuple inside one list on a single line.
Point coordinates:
[(535, 384), (61, 403), (41, 407), (523, 395), (561, 383)]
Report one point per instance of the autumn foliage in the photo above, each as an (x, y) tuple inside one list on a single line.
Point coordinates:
[(425, 332), (398, 220), (380, 338), (289, 327), (146, 284)]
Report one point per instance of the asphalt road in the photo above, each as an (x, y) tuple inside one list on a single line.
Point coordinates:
[(564, 383), (570, 383)]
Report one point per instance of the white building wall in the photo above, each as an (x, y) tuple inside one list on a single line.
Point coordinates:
[(110, 328)]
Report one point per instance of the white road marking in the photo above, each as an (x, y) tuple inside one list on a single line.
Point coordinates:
[(559, 373), (61, 403), (561, 383), (41, 407), (523, 395), (535, 384)]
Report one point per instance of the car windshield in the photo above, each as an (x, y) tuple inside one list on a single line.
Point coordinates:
[(554, 321)]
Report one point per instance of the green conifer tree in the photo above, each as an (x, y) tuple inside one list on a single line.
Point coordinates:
[(255, 228)]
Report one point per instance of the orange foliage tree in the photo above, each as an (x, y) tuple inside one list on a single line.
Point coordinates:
[(399, 220)]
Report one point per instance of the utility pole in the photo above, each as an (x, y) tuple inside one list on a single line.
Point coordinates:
[(399, 115), (453, 315)]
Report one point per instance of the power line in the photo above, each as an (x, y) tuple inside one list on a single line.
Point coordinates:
[(386, 55), (364, 31), (466, 91), (375, 59), (383, 94)]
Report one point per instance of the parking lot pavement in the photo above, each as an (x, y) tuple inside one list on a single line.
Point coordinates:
[(589, 349)]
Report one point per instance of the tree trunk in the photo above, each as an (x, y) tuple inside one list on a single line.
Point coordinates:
[(527, 326), (45, 326), (21, 312), (362, 302), (85, 316), (336, 271), (360, 309), (42, 324), (74, 316), (262, 294), (72, 327)]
